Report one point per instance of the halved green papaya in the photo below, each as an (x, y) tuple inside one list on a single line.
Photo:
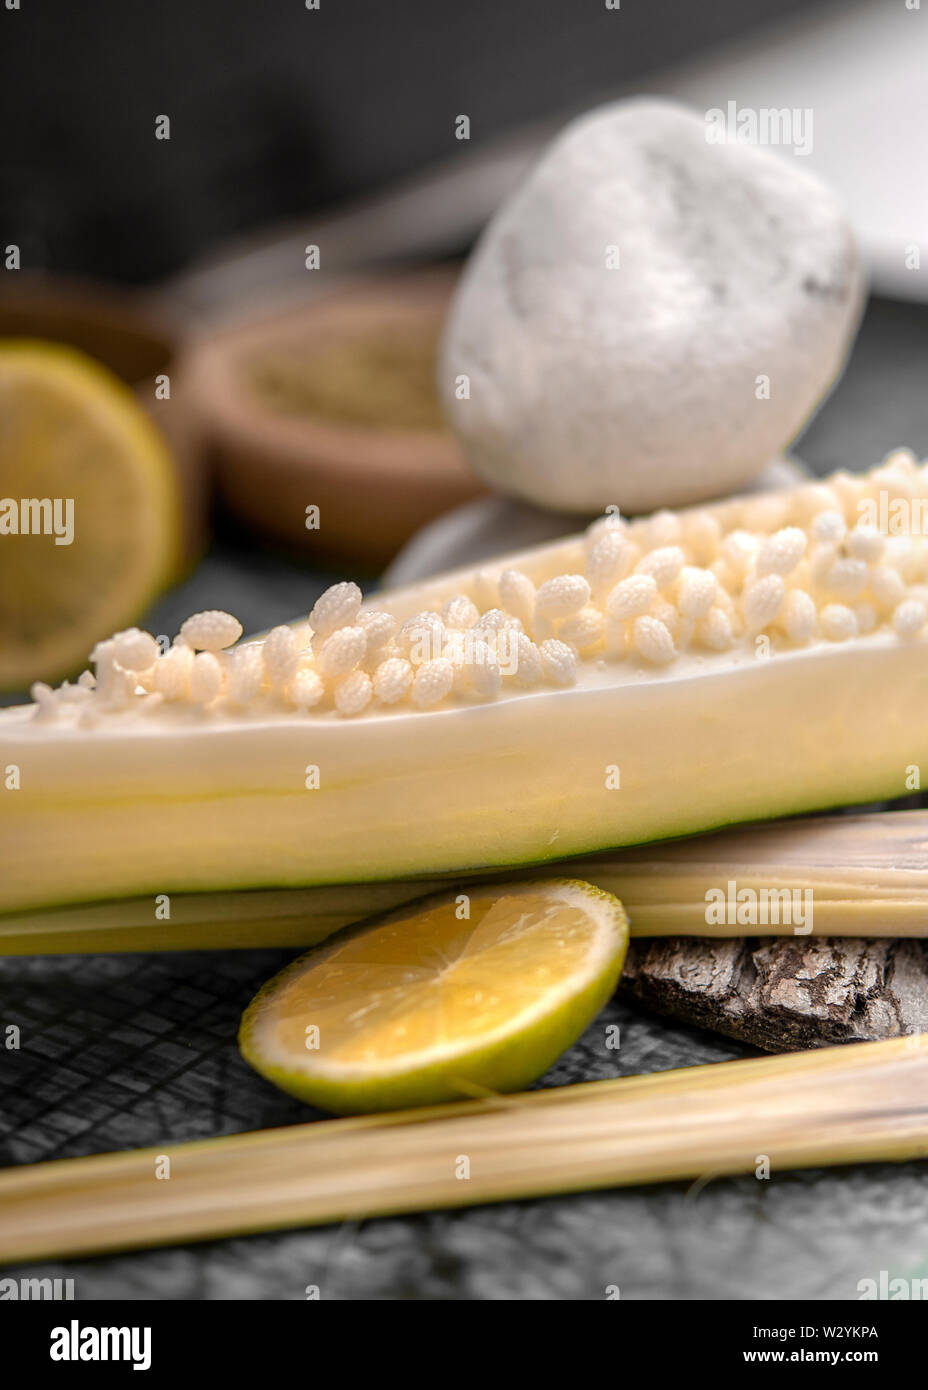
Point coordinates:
[(647, 680)]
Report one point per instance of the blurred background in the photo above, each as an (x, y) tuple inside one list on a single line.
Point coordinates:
[(290, 128)]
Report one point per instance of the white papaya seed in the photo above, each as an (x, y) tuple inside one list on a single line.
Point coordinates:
[(763, 600), (432, 682), (799, 616), (632, 596), (653, 641), (336, 608), (559, 598), (781, 552), (662, 565), (281, 656), (460, 613), (559, 662), (341, 652), (306, 689), (715, 630), (909, 618), (839, 623), (517, 595), (244, 670), (353, 693), (211, 631), (696, 591), (135, 650), (205, 678), (392, 680)]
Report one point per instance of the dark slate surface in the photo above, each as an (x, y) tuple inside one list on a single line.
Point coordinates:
[(119, 1052)]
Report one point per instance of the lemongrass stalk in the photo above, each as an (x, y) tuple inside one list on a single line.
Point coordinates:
[(833, 1106), (202, 921), (868, 875)]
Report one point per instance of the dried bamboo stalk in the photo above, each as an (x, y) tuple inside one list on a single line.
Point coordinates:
[(834, 1106), (868, 874)]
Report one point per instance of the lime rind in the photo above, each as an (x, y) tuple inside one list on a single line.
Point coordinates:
[(512, 1053)]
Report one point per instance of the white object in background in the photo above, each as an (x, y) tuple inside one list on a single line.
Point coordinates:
[(862, 72), (649, 317)]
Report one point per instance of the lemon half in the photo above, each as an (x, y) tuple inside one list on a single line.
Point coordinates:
[(88, 478), (449, 997)]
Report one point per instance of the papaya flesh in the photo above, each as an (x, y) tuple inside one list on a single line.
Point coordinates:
[(648, 680)]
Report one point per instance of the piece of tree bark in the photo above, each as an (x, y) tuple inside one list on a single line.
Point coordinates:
[(784, 994)]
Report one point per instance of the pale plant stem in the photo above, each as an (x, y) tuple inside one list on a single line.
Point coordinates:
[(839, 1105)]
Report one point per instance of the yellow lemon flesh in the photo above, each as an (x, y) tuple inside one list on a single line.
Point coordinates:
[(453, 996), (90, 518)]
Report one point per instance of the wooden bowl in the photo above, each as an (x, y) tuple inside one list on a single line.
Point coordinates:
[(374, 476)]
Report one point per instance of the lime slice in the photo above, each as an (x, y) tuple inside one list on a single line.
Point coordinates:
[(88, 479), (448, 997)]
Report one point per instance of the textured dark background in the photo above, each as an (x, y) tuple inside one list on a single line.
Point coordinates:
[(283, 112), (277, 110)]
